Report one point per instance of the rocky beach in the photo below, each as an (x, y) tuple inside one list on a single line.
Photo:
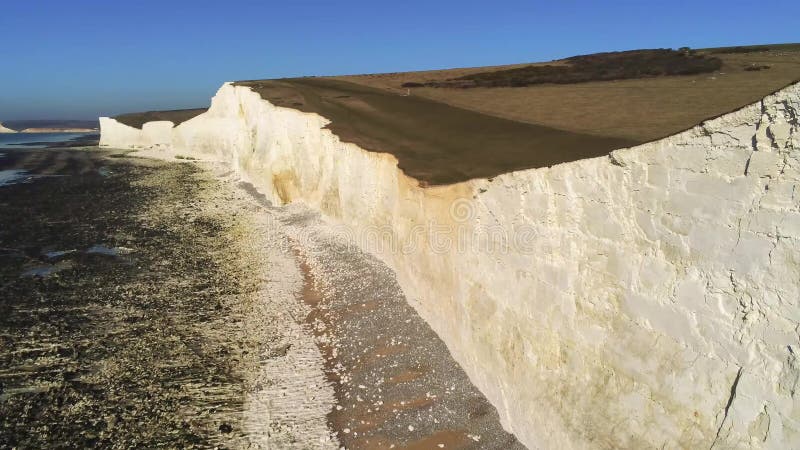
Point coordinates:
[(152, 303)]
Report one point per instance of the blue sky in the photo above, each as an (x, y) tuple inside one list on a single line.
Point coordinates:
[(81, 59)]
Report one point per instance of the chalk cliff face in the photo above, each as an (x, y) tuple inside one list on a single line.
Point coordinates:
[(645, 299), (3, 129)]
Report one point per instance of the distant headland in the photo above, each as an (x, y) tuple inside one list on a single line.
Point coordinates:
[(49, 126)]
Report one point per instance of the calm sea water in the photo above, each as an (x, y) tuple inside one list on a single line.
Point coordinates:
[(13, 140)]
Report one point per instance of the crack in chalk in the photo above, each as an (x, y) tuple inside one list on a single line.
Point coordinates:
[(728, 406), (616, 161), (774, 246), (738, 234), (754, 141), (725, 133)]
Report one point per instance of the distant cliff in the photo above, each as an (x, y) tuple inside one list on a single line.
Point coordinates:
[(59, 130), (3, 129), (52, 126)]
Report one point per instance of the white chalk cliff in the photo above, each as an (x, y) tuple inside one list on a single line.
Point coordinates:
[(3, 129), (650, 298)]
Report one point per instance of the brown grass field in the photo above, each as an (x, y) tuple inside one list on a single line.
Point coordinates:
[(639, 109)]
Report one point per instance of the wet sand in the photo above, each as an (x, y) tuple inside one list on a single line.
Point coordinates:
[(149, 304)]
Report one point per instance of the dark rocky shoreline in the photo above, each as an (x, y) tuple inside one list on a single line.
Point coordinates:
[(125, 347)]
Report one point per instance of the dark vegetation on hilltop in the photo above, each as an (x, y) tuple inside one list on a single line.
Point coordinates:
[(732, 50), (176, 116), (774, 48), (585, 68)]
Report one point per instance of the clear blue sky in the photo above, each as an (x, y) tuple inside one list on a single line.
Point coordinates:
[(81, 59)]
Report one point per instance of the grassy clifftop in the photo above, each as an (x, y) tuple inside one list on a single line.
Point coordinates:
[(434, 142), (446, 126)]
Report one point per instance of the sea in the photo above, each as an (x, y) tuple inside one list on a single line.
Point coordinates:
[(23, 140)]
